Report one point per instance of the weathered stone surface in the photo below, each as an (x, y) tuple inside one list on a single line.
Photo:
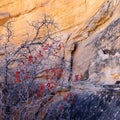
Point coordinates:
[(107, 55), (99, 42), (86, 106), (93, 24), (68, 14), (92, 51), (89, 21)]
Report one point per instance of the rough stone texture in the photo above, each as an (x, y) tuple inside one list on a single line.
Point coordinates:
[(101, 33), (68, 14), (87, 106), (105, 65), (93, 26)]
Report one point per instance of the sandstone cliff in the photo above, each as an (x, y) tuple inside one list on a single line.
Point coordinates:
[(98, 45), (92, 51), (68, 14), (94, 26)]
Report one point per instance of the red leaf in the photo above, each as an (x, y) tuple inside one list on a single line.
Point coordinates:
[(55, 52), (45, 47), (17, 80), (59, 47), (26, 77), (61, 107), (65, 98), (60, 72), (76, 78), (21, 64), (40, 54), (48, 85), (30, 58), (17, 76), (42, 88)]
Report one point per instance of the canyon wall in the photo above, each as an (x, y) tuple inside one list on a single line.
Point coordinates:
[(93, 25), (67, 14), (90, 30)]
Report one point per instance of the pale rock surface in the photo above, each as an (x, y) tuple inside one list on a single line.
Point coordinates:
[(101, 33), (67, 13), (93, 25)]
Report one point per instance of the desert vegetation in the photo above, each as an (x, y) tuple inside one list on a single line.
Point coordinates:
[(31, 73)]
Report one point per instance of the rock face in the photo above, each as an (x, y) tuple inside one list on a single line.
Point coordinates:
[(87, 106), (105, 65), (92, 52), (94, 26), (98, 45), (97, 24), (68, 14)]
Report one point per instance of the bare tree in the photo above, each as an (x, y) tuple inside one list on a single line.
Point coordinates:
[(30, 74)]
